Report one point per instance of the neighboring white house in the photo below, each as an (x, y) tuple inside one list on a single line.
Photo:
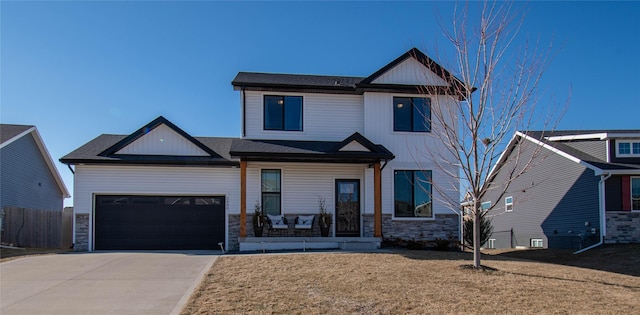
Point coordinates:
[(357, 143)]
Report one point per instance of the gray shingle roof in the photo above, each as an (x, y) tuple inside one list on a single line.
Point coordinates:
[(8, 131), (267, 79), (90, 153)]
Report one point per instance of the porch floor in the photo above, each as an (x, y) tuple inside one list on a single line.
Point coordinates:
[(248, 244)]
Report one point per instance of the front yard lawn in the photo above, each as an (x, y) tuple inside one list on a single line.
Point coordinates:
[(407, 282)]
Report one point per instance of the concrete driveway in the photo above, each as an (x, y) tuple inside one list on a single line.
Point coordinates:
[(102, 282)]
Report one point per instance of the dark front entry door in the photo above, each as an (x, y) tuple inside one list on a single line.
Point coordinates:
[(348, 207)]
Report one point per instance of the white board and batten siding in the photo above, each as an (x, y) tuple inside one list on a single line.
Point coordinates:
[(325, 117), (91, 180), (303, 183), (410, 72), (163, 140)]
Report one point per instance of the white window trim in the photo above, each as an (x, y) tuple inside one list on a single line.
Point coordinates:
[(393, 196), (482, 205), (631, 154), (491, 243), (536, 240), (631, 192), (506, 204)]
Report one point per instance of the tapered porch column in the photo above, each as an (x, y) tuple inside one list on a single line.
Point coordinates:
[(243, 198), (377, 200)]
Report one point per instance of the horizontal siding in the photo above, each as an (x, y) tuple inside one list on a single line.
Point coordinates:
[(411, 72), (155, 180), (303, 184), (595, 148), (615, 159), (163, 141), (552, 201), (25, 178), (406, 146), (329, 117)]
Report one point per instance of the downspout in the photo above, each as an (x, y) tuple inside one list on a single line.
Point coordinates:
[(602, 206)]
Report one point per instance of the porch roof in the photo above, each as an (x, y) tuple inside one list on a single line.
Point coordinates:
[(309, 151)]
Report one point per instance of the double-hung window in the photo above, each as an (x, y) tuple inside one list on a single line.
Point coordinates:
[(271, 183), (412, 194), (412, 114), (508, 204), (283, 113), (628, 148), (635, 193)]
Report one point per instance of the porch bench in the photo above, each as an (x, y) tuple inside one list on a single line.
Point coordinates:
[(277, 224)]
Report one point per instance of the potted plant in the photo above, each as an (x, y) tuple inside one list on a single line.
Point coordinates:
[(324, 218), (258, 220)]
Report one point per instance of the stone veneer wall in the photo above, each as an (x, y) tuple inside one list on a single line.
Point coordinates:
[(445, 226), (623, 227), (367, 225), (82, 233)]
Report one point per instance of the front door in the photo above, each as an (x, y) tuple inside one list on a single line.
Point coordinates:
[(347, 207)]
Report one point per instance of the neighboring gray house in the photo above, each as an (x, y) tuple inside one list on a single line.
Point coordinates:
[(28, 175), (582, 188)]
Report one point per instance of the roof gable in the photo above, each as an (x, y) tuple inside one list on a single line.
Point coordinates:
[(159, 137), (354, 146), (410, 72), (11, 133), (356, 143), (403, 64)]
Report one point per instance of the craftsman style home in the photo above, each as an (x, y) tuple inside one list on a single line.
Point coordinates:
[(582, 189), (350, 143)]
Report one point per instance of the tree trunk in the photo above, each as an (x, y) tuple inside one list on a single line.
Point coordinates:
[(476, 238)]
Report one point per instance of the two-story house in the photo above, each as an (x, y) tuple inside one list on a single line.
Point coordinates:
[(355, 143), (581, 189)]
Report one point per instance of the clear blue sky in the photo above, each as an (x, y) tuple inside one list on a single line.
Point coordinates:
[(79, 69)]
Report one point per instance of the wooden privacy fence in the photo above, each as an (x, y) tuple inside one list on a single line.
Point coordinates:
[(37, 228)]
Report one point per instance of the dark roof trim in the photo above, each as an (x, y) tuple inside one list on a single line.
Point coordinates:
[(342, 157), (356, 136), (153, 160), (146, 129), (297, 88)]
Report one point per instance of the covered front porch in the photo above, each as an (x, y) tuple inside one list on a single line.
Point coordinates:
[(288, 179)]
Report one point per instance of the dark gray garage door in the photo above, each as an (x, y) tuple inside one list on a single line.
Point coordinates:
[(159, 222)]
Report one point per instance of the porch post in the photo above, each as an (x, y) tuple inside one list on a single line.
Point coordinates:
[(377, 201), (243, 198)]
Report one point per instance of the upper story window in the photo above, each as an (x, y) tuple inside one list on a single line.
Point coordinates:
[(412, 194), (627, 148), (508, 204), (412, 114), (283, 113)]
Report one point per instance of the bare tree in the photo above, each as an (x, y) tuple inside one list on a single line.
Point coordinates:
[(492, 93)]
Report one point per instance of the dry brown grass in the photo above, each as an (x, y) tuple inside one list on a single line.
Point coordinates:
[(406, 282)]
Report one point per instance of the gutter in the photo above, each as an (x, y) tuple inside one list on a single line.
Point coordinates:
[(602, 204)]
